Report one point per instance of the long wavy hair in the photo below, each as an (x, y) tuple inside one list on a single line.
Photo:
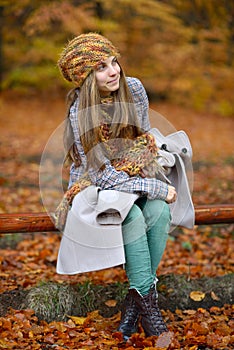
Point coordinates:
[(124, 120)]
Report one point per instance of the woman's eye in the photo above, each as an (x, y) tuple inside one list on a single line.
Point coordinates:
[(100, 67)]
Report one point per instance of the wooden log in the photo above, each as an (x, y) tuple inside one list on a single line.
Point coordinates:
[(26, 222), (214, 214), (42, 222)]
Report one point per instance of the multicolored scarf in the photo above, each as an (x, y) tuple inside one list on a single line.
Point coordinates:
[(137, 157)]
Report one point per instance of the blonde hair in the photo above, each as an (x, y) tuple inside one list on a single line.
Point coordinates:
[(124, 120)]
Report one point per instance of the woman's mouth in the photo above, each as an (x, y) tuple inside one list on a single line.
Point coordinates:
[(114, 81)]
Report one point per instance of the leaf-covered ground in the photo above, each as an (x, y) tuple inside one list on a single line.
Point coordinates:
[(29, 259)]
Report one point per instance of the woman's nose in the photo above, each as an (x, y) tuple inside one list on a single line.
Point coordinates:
[(112, 70)]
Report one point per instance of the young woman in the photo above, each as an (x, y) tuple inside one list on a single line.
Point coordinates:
[(111, 148)]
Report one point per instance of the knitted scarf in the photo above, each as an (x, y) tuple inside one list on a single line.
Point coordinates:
[(137, 157)]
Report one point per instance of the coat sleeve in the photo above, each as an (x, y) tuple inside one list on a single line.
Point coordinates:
[(110, 178)]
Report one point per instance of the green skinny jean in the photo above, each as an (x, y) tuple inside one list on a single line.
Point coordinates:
[(145, 232)]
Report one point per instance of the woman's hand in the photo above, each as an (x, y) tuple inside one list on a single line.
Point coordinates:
[(171, 195)]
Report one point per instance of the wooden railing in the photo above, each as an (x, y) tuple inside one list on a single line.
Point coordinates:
[(42, 222)]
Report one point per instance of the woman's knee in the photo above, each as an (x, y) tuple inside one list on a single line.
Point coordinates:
[(164, 211), (134, 216), (157, 211)]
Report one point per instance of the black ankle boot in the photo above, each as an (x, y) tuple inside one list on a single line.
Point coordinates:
[(129, 317), (151, 317)]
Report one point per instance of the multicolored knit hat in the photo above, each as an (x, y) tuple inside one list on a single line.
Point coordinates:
[(83, 54)]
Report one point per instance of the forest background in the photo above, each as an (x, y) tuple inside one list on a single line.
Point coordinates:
[(182, 50), (183, 53)]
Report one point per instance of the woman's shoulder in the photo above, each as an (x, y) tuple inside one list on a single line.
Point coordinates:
[(134, 84), (137, 89)]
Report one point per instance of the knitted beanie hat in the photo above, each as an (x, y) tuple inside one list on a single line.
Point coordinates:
[(83, 54)]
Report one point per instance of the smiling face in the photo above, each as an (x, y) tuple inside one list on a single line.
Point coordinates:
[(107, 76)]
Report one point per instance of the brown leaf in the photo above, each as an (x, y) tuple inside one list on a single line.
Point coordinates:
[(214, 296), (49, 339), (164, 340)]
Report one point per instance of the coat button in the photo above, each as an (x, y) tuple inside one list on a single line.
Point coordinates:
[(184, 150), (164, 147)]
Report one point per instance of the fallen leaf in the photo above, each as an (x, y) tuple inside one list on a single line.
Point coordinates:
[(214, 296), (77, 320), (164, 340), (197, 295), (4, 344), (49, 339), (190, 312), (111, 303)]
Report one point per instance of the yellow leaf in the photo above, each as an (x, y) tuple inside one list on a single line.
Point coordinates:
[(77, 320), (30, 334), (197, 295), (111, 303), (4, 344)]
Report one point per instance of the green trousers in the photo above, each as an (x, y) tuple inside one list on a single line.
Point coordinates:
[(145, 232)]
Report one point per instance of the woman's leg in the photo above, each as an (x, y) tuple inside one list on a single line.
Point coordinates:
[(137, 253), (145, 232), (138, 268), (157, 217)]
